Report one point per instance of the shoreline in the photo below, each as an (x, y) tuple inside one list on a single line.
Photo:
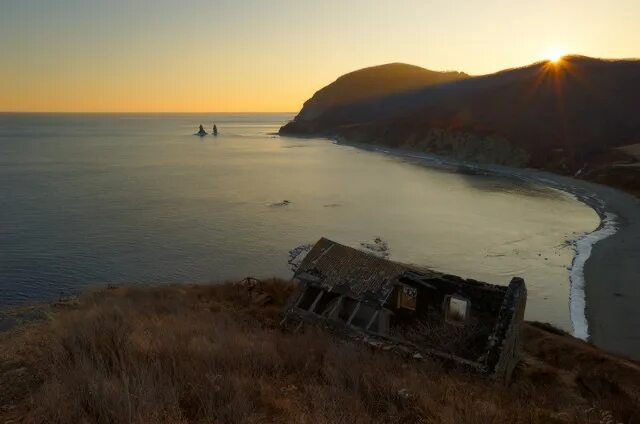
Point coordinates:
[(604, 279)]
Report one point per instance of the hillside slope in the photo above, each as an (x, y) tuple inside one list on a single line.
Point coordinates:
[(188, 353), (563, 116), (371, 83)]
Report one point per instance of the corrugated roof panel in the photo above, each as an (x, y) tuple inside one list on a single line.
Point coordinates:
[(335, 264)]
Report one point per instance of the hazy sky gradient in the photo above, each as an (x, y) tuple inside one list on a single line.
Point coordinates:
[(253, 55)]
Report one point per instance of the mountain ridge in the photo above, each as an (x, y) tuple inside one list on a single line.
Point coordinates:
[(568, 116), (373, 82)]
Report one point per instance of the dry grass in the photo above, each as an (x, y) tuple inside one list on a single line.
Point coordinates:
[(211, 354)]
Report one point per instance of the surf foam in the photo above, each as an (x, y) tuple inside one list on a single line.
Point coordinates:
[(583, 246)]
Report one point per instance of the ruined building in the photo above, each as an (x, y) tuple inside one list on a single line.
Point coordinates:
[(418, 311)]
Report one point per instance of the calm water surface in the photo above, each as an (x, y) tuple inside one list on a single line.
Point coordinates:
[(137, 198)]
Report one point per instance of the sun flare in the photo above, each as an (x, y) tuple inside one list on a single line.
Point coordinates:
[(554, 54)]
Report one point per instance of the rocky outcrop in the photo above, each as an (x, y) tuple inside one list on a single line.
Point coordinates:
[(454, 144), (469, 147)]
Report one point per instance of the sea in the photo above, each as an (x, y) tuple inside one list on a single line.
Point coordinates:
[(91, 199)]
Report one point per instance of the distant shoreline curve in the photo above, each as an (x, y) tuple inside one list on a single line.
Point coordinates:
[(593, 318)]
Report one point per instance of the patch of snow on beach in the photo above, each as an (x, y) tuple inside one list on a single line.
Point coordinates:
[(583, 248)]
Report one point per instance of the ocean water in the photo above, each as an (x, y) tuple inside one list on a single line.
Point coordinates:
[(97, 198)]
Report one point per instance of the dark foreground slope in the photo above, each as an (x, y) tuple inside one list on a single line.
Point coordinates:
[(570, 117), (182, 354)]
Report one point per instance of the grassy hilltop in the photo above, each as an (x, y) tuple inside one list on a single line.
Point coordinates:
[(196, 353)]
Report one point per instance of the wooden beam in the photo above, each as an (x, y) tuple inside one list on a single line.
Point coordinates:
[(373, 317), (301, 295), (353, 314), (315, 302), (335, 307)]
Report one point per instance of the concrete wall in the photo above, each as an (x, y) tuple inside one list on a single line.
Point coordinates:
[(504, 344)]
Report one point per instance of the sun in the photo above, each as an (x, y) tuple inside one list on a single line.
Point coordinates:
[(554, 54)]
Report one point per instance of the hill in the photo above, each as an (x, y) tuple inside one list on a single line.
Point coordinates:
[(568, 116), (371, 83), (189, 353)]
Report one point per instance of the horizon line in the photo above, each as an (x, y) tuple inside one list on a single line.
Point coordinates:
[(131, 112)]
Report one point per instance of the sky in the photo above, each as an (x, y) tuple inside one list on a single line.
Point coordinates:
[(271, 55)]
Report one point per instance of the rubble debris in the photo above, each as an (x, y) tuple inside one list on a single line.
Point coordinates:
[(252, 287), (379, 247), (297, 254)]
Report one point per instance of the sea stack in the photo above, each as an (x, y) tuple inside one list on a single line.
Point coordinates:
[(215, 130), (201, 132)]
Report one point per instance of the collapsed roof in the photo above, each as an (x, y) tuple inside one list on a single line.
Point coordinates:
[(474, 323)]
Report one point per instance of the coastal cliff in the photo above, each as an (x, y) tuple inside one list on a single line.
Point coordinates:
[(574, 117), (459, 145)]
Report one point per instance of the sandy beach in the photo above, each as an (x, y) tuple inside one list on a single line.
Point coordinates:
[(612, 271), (605, 275)]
